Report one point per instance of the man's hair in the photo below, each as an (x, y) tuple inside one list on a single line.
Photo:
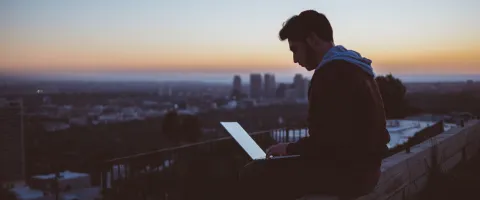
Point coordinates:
[(300, 26)]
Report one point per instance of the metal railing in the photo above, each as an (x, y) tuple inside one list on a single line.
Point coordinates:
[(205, 170), (419, 137), (193, 169)]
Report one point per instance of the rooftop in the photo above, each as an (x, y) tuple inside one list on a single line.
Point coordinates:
[(157, 173), (70, 184), (401, 130), (63, 175)]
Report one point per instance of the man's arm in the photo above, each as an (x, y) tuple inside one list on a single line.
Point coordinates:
[(333, 90), (298, 148)]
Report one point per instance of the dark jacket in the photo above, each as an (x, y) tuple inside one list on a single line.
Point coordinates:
[(346, 118)]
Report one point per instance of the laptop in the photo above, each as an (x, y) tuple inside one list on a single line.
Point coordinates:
[(247, 142), (244, 140)]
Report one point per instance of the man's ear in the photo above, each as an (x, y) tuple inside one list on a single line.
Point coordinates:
[(312, 40)]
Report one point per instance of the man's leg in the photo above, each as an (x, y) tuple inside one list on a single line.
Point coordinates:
[(286, 179)]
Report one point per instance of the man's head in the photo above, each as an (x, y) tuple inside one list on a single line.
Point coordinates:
[(310, 36)]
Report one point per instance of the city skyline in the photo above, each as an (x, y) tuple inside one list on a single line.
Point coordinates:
[(105, 37)]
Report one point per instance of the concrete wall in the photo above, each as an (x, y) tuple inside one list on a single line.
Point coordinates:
[(405, 174)]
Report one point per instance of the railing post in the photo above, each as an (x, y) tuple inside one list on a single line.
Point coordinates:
[(442, 126), (408, 144), (104, 177), (287, 134)]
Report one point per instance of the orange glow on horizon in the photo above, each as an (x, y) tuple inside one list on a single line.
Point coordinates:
[(273, 58), (119, 36)]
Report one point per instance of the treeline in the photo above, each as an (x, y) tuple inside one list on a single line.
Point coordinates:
[(399, 104), (467, 101)]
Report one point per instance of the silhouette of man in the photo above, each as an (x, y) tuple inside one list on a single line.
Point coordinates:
[(346, 120)]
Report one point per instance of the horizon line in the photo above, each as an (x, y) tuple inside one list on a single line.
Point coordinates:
[(222, 77)]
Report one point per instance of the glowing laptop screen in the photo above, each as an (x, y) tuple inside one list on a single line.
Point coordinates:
[(242, 138)]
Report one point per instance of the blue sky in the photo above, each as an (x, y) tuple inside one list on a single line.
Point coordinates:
[(410, 37)]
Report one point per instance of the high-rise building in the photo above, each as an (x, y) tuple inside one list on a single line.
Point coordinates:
[(270, 85), (12, 150), (165, 90), (307, 86), (280, 91), (291, 94), (237, 83), (300, 86), (255, 86)]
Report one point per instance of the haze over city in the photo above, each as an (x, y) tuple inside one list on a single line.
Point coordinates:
[(212, 40), (155, 99)]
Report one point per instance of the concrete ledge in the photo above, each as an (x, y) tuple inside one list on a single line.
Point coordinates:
[(404, 175)]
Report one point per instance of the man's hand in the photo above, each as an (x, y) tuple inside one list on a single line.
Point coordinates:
[(277, 150)]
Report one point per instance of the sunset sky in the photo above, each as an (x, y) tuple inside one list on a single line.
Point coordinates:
[(90, 36)]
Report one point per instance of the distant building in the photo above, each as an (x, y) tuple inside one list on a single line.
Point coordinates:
[(255, 86), (231, 105), (247, 103), (165, 91), (269, 85), (55, 126), (300, 87), (12, 147), (78, 121), (280, 91), (237, 83), (66, 181), (291, 94), (47, 100), (109, 118), (72, 185), (306, 83)]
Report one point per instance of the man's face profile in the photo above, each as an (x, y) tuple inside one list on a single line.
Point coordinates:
[(303, 54), (298, 50)]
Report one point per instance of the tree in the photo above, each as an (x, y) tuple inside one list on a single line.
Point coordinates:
[(393, 95), (190, 128), (181, 128), (171, 126)]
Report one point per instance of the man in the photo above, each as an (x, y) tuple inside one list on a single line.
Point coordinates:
[(347, 129)]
